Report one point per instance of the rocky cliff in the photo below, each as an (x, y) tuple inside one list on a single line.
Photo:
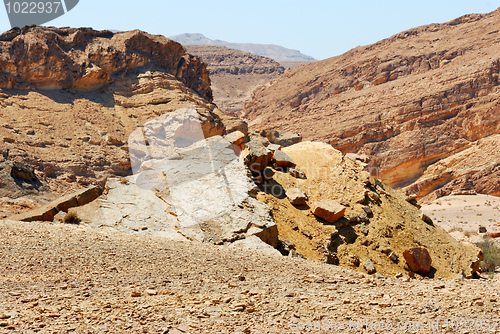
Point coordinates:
[(408, 101), (235, 74), (69, 98)]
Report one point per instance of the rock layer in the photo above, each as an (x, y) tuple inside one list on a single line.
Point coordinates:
[(408, 101), (70, 103)]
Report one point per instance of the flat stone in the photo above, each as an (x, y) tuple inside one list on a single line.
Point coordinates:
[(282, 160), (48, 211), (295, 172), (329, 210), (283, 138), (364, 229)]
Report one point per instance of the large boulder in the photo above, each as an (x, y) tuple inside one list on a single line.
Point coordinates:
[(418, 259), (202, 192), (18, 179)]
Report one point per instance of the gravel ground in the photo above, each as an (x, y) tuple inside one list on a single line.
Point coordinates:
[(78, 279)]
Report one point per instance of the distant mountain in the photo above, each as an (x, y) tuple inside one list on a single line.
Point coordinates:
[(275, 52), (235, 74)]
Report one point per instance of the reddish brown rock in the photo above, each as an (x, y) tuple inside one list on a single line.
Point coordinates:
[(494, 235), (418, 259), (329, 210)]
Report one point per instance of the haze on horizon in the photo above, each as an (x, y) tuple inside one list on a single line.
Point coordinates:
[(319, 28)]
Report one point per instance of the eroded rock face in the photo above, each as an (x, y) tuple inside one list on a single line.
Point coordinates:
[(70, 103), (408, 102), (86, 59)]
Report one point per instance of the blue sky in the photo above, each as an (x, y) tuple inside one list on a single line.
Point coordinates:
[(318, 28)]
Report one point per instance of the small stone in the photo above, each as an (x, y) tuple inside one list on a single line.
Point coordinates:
[(411, 197), (385, 250), (296, 196), (367, 209), (369, 266), (364, 229), (377, 275), (295, 172), (482, 229), (4, 316), (151, 292), (427, 219), (480, 303), (135, 294), (399, 275), (393, 256)]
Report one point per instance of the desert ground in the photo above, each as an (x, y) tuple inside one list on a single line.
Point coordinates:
[(60, 278)]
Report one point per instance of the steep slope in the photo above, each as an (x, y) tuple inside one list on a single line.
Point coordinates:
[(235, 74), (377, 221), (275, 52), (70, 98), (407, 101)]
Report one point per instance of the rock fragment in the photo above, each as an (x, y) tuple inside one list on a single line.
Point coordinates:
[(296, 196), (329, 210), (369, 266)]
